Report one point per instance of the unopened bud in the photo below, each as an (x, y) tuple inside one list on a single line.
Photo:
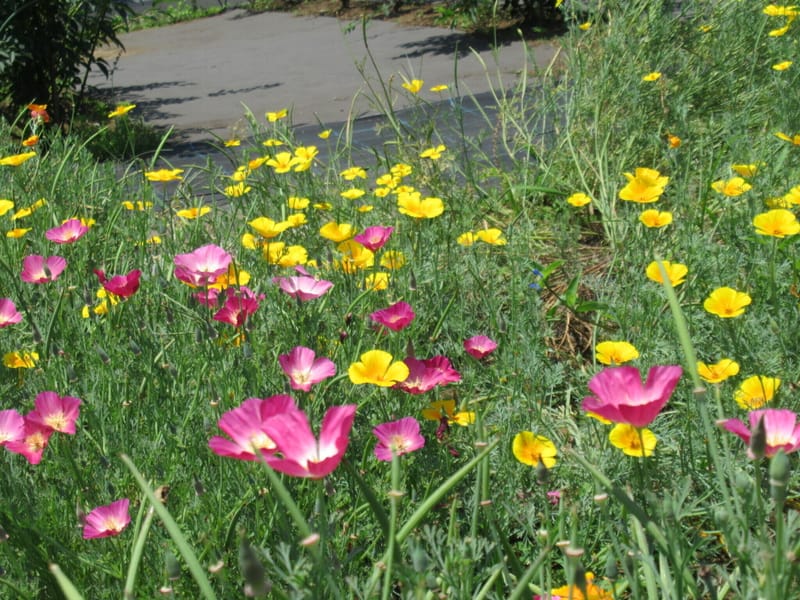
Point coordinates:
[(779, 472), (758, 440)]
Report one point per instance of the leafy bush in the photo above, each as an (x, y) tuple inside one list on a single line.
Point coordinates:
[(47, 48)]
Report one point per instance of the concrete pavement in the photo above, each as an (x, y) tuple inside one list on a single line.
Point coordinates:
[(201, 76)]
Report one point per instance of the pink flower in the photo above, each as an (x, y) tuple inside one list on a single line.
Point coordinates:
[(373, 238), (239, 305), (479, 346), (300, 454), (68, 232), (208, 296), (108, 520), (202, 266), (38, 269), (303, 286), (780, 425), (397, 438), (12, 427), (33, 441), (554, 496), (395, 317), (8, 313), (245, 426), (55, 412), (305, 369), (620, 397), (424, 375), (123, 286)]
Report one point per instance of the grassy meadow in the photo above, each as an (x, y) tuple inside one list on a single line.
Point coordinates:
[(560, 366)]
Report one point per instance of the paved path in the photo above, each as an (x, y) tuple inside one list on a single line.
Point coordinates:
[(199, 76)]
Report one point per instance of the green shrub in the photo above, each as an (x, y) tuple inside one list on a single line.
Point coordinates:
[(47, 48)]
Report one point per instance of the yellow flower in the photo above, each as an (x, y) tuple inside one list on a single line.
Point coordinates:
[(365, 208), (492, 236), (726, 302), (296, 219), (29, 210), (271, 142), (531, 449), (232, 143), (138, 205), (410, 204), (337, 232), (278, 115), (780, 31), (782, 66), (351, 173), (352, 193), (774, 10), (16, 160), (278, 253), (439, 409), (653, 76), (793, 195), (777, 222), (632, 441), (298, 203), (20, 360), (376, 367), (255, 163), (718, 372), (322, 206), (305, 157), (615, 352), (120, 110), (393, 259), (439, 88), (5, 206), (654, 218), (236, 190), (401, 170), (355, 257), (164, 175), (579, 199), (466, 239), (193, 212), (233, 276), (795, 139), (30, 141), (733, 187), (746, 170), (388, 180), (645, 186), (267, 228), (282, 162), (17, 233), (756, 391), (413, 86), (593, 591), (324, 135), (433, 153), (377, 281), (676, 272), (585, 26), (674, 141)]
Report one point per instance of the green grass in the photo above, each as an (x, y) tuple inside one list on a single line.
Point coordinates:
[(697, 519)]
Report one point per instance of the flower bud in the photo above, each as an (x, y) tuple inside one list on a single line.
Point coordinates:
[(758, 441), (779, 472)]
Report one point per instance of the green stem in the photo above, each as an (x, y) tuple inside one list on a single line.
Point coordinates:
[(394, 501)]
